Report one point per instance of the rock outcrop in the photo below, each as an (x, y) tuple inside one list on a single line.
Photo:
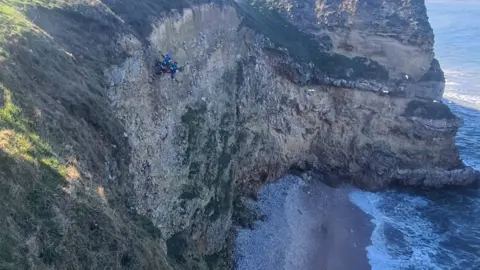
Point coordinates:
[(350, 88)]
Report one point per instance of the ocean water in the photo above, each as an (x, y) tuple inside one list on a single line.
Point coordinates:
[(457, 46), (428, 230), (440, 229)]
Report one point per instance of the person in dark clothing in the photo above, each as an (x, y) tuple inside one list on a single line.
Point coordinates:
[(173, 70), (167, 60), (163, 66), (167, 66)]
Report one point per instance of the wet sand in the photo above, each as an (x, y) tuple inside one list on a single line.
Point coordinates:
[(306, 226)]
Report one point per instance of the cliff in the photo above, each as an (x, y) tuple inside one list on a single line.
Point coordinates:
[(105, 164)]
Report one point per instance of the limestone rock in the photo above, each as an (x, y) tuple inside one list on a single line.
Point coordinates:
[(349, 88)]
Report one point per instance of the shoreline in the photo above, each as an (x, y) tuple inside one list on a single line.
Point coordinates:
[(461, 102), (305, 225)]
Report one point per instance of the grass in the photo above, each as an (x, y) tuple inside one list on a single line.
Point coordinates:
[(44, 227), (17, 140), (52, 113), (30, 176), (13, 22)]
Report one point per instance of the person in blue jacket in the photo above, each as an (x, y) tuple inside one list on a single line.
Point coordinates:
[(167, 59), (173, 69)]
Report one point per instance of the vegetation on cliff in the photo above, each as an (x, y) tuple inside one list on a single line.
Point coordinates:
[(63, 200)]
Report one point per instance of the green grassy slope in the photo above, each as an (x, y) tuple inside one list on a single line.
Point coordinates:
[(61, 209)]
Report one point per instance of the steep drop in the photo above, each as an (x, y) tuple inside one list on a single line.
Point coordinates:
[(263, 91)]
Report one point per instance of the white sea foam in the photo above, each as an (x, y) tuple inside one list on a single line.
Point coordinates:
[(472, 101), (417, 245), (458, 73)]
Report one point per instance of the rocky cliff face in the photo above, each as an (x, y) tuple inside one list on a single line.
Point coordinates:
[(396, 36), (349, 88)]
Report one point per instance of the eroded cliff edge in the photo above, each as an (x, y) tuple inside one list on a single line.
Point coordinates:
[(349, 88)]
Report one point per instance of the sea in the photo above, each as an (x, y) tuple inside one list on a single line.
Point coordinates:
[(437, 229), (456, 25)]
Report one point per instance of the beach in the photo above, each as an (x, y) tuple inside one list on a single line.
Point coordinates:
[(305, 225)]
